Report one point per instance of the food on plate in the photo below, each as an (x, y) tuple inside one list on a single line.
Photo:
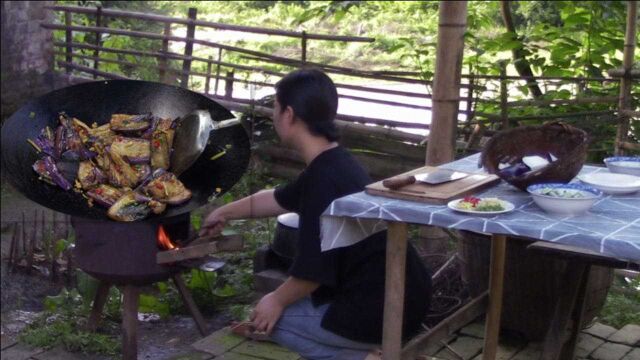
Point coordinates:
[(122, 165), (562, 193), (478, 204)]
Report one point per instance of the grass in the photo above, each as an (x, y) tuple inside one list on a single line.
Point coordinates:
[(622, 306)]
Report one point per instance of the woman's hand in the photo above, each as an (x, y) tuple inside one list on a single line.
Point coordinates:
[(267, 313), (213, 224)]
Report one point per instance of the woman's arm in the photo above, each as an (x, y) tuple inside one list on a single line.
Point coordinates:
[(271, 306), (260, 204)]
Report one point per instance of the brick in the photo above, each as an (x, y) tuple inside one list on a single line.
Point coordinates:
[(610, 351), (61, 354), (265, 350), (629, 335), (475, 329), (20, 352), (505, 351), (600, 330), (586, 344), (633, 355), (465, 346), (531, 352), (219, 342)]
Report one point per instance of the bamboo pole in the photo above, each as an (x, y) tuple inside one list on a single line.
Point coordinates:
[(68, 38), (167, 19), (215, 86), (188, 48), (504, 117), (625, 81), (96, 52), (163, 60), (208, 78), (446, 84)]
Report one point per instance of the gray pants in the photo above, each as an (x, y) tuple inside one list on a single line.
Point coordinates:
[(299, 330)]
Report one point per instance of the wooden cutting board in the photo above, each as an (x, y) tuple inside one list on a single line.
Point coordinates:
[(435, 194)]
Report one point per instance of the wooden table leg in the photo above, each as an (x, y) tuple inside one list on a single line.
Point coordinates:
[(130, 322), (496, 284), (98, 304), (570, 288), (394, 290), (569, 348)]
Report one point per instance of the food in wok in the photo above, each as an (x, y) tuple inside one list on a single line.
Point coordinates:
[(122, 165)]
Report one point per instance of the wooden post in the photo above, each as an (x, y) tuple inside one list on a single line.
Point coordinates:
[(446, 83), (96, 52), (130, 322), (215, 86), (496, 284), (102, 294), (394, 290), (625, 81), (68, 39), (503, 96), (13, 247), (188, 49), (208, 79), (162, 72), (190, 304), (304, 48), (228, 85)]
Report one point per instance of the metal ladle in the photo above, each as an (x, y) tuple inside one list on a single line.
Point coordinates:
[(191, 137)]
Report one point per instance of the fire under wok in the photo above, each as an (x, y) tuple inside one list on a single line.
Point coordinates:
[(222, 163)]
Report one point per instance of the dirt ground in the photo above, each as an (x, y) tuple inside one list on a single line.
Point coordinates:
[(22, 297)]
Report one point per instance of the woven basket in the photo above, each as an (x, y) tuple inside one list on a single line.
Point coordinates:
[(567, 143)]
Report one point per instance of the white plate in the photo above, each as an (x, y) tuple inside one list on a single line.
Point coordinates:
[(612, 183), (507, 207)]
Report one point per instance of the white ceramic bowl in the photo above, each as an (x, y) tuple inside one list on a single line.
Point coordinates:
[(624, 164), (564, 205), (612, 183)]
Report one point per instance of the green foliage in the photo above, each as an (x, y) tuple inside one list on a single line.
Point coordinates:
[(623, 304), (59, 326)]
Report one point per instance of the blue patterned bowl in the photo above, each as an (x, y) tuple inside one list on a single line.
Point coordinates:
[(624, 164), (565, 199)]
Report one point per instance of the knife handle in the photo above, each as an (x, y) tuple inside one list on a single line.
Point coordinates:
[(398, 182)]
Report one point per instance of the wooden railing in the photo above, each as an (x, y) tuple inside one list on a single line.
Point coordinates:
[(473, 127)]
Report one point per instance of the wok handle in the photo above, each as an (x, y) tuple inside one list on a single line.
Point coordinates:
[(398, 182)]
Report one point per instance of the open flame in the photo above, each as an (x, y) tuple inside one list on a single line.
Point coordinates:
[(163, 239)]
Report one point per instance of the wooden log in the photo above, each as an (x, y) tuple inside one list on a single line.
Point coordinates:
[(504, 118), (621, 73), (586, 100), (215, 86), (394, 290), (188, 48), (629, 113), (162, 61), (194, 251), (68, 39), (496, 284), (13, 247), (131, 298), (191, 305), (167, 19), (625, 81), (228, 85), (208, 79), (547, 117), (446, 84), (96, 52), (408, 151), (100, 299), (446, 327), (627, 145)]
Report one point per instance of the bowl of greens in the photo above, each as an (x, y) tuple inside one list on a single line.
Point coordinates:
[(565, 199)]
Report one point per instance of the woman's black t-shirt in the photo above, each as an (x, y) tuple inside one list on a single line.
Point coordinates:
[(351, 278)]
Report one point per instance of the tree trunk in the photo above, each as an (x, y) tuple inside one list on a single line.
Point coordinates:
[(519, 60), (625, 81), (446, 83)]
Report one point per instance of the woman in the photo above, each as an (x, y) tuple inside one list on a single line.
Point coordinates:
[(331, 306)]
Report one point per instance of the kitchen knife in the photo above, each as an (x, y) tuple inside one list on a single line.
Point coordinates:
[(432, 178)]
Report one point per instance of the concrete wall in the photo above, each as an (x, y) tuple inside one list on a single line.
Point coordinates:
[(27, 59)]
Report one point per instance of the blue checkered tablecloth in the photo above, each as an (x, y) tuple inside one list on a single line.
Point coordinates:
[(610, 227)]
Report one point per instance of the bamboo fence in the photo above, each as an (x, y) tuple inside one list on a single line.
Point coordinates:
[(369, 138)]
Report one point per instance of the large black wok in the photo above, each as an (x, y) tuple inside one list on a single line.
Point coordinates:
[(95, 102)]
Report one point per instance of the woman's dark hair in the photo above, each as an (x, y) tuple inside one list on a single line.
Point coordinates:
[(314, 99)]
